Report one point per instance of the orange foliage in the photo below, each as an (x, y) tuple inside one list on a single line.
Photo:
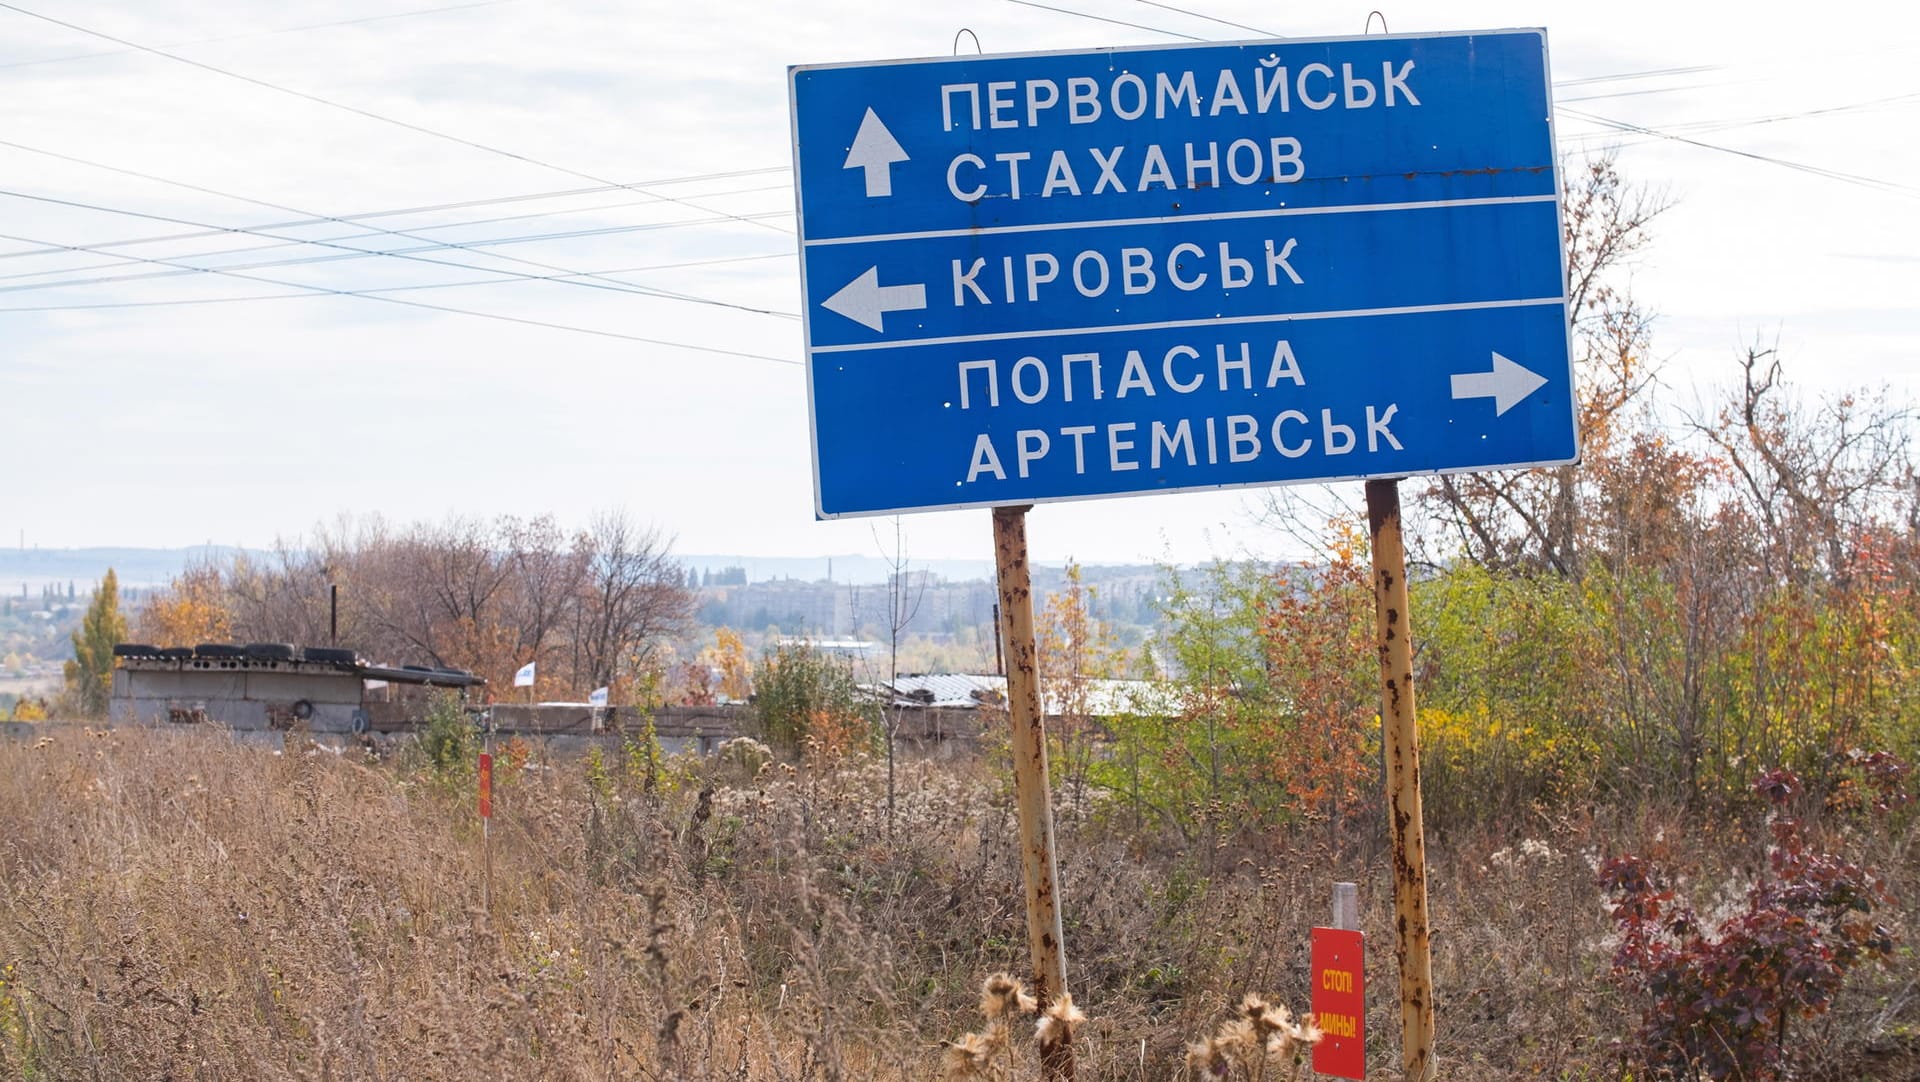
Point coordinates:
[(835, 736), (1318, 638)]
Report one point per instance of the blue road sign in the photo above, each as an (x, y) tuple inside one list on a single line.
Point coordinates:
[(1073, 275)]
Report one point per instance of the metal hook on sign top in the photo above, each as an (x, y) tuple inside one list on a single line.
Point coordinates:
[(968, 32), (1383, 23)]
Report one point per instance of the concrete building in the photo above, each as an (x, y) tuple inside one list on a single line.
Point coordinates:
[(269, 687)]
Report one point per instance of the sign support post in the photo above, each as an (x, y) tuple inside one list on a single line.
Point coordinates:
[(1031, 793), (1412, 947)]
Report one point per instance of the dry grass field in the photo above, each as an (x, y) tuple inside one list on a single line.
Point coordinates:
[(176, 906)]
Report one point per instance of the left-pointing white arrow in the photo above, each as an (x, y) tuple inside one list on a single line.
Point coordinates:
[(875, 150), (865, 301), (1507, 384)]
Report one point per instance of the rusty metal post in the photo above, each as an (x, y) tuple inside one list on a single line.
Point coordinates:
[(1032, 796), (1412, 946)]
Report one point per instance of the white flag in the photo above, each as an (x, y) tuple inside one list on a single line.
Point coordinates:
[(597, 697), (524, 678)]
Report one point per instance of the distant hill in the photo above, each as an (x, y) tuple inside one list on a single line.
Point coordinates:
[(854, 569), (135, 567), (142, 567)]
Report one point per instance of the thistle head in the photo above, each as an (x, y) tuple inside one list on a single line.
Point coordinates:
[(1207, 1058), (1265, 1018), (967, 1058), (1058, 1023), (1002, 994)]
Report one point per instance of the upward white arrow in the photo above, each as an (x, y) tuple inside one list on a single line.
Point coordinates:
[(1507, 384), (875, 150)]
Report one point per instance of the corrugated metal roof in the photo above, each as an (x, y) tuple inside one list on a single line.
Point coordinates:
[(948, 690), (1098, 698)]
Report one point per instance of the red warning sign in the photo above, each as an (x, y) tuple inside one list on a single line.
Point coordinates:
[(486, 786), (1340, 1002)]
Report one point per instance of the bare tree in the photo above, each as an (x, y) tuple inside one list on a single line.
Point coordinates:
[(905, 592), (282, 599), (468, 593), (548, 571), (631, 595), (1813, 479), (1537, 518)]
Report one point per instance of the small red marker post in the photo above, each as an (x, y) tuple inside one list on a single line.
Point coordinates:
[(486, 824), (486, 788), (1340, 1002)]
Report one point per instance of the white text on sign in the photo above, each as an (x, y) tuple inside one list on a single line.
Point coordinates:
[(1082, 100)]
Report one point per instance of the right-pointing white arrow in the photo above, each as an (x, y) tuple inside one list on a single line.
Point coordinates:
[(865, 301), (875, 150), (1507, 384)]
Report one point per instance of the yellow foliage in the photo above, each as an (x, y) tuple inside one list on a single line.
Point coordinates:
[(191, 610), (729, 655)]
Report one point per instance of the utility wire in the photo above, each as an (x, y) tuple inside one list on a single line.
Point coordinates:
[(346, 255), (506, 274), (1698, 126), (475, 245), (1819, 171), (432, 208), (266, 33), (357, 111), (1833, 174), (1088, 15), (445, 308), (1651, 73), (179, 301), (696, 178), (1209, 18), (571, 279), (1648, 74)]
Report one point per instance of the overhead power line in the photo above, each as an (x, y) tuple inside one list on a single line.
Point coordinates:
[(1102, 19), (1208, 18), (1833, 174), (569, 276), (564, 277), (1648, 74), (182, 301), (434, 208), (268, 33), (501, 316), (1819, 171), (1651, 73), (357, 111), (483, 246), (345, 254), (1698, 126)]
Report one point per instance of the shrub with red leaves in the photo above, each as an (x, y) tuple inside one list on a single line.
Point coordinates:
[(1720, 998)]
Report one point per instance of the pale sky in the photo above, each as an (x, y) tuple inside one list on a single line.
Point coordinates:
[(157, 403)]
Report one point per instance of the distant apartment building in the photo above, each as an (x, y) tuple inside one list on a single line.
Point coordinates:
[(828, 609), (794, 607)]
